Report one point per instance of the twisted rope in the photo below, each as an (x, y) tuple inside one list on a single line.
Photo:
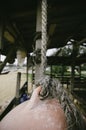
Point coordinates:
[(44, 35), (51, 88)]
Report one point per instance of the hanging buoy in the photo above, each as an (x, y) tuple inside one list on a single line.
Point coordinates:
[(35, 114)]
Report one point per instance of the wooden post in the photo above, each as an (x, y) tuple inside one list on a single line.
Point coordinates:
[(62, 75), (51, 67), (38, 41), (72, 77), (1, 33), (80, 71), (32, 75), (18, 87), (74, 54), (27, 72)]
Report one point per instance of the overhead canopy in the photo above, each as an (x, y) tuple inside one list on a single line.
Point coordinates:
[(66, 20)]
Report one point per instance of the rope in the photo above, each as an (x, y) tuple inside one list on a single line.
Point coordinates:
[(51, 88), (44, 36)]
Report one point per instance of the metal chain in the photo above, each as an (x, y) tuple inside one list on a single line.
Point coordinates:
[(44, 35)]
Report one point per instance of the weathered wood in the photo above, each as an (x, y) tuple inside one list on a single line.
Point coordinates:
[(18, 87)]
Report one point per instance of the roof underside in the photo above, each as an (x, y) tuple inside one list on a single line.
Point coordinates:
[(66, 20)]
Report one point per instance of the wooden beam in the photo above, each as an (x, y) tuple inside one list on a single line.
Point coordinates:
[(58, 60), (19, 34), (11, 30), (8, 36), (22, 14)]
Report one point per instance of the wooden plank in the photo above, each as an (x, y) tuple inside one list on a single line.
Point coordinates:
[(58, 60)]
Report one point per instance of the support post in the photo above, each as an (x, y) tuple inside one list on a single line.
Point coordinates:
[(1, 34), (18, 87), (62, 75), (27, 71), (72, 77), (74, 54), (80, 71), (51, 69)]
